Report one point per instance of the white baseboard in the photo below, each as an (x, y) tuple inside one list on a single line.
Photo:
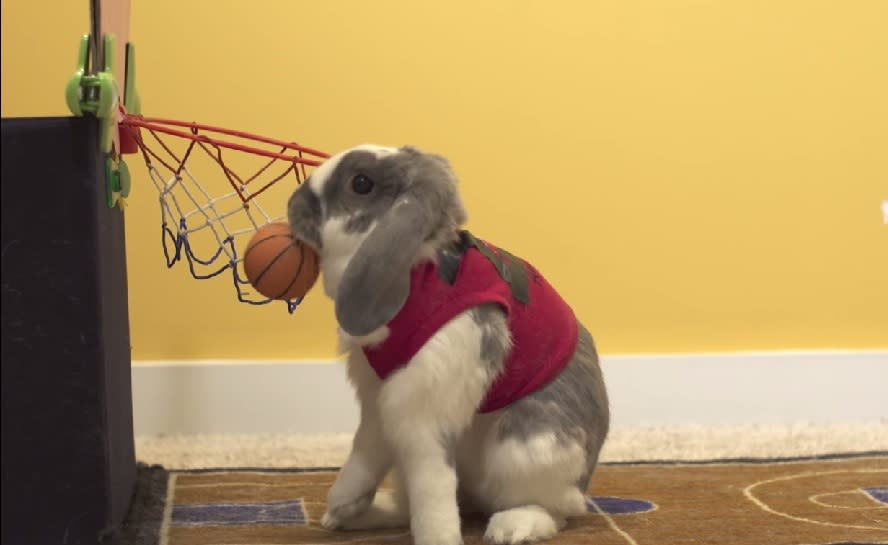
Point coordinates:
[(645, 390)]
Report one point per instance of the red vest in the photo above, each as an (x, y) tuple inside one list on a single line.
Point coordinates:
[(544, 329)]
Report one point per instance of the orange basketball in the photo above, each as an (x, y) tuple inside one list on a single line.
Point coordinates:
[(278, 265)]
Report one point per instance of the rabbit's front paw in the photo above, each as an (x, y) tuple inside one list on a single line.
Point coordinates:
[(340, 510), (330, 522), (521, 525)]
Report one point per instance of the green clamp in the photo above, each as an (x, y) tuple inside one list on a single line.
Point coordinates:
[(131, 101), (117, 182), (95, 94)]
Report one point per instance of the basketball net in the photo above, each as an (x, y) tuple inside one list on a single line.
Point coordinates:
[(216, 188)]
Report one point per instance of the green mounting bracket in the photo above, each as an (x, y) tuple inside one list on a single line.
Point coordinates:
[(117, 182), (131, 101), (95, 94)]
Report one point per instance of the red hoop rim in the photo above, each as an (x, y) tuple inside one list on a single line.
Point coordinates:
[(197, 132)]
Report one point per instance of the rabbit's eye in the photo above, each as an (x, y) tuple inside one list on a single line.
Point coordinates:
[(362, 184)]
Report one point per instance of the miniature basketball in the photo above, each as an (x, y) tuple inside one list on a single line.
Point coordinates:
[(278, 265)]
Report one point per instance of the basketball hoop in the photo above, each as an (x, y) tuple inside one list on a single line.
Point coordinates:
[(209, 209), (212, 200)]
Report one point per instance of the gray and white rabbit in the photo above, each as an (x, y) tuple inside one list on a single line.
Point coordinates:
[(441, 409)]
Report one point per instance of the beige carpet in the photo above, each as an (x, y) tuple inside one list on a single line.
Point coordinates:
[(685, 443)]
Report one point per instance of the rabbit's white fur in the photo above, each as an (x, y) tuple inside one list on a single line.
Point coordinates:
[(339, 247), (529, 485)]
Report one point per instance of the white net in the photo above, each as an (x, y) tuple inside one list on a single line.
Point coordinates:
[(209, 209)]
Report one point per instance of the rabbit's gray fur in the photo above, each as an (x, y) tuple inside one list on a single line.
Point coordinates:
[(528, 465)]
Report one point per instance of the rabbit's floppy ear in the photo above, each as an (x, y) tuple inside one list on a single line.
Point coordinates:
[(376, 282)]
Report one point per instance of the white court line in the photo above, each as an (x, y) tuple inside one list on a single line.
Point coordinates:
[(748, 493), (252, 484), (612, 523), (369, 539), (223, 471), (876, 503), (167, 518)]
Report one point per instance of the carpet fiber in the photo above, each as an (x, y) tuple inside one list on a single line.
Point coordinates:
[(196, 451), (823, 500)]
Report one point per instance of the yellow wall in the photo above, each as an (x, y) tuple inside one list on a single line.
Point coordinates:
[(694, 175)]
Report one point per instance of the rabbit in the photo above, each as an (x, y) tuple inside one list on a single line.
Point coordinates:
[(440, 410)]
